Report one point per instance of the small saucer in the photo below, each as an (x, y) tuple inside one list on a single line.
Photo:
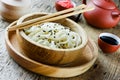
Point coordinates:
[(78, 67)]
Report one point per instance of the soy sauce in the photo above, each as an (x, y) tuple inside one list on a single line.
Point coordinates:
[(109, 40)]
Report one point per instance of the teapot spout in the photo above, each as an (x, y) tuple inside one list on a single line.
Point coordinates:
[(108, 0), (116, 13)]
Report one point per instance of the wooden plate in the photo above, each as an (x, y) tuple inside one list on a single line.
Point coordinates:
[(69, 70)]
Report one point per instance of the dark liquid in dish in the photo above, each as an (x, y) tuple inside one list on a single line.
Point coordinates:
[(109, 40)]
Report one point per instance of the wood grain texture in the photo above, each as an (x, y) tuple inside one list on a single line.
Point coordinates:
[(107, 67)]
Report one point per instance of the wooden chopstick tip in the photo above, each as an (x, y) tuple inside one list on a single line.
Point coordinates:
[(11, 29)]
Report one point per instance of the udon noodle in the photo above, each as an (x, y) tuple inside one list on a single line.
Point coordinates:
[(53, 35)]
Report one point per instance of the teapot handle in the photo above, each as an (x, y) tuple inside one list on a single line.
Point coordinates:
[(84, 1), (77, 19)]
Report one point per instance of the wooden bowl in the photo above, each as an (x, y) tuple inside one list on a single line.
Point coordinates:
[(12, 10), (69, 70), (49, 55)]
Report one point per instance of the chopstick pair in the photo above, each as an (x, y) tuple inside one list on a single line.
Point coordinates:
[(52, 17)]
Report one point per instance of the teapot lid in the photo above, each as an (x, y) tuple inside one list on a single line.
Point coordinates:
[(106, 4)]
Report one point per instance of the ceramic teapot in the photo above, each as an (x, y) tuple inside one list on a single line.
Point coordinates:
[(13, 9), (105, 15)]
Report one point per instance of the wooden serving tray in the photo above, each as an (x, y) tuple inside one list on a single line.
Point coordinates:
[(78, 67)]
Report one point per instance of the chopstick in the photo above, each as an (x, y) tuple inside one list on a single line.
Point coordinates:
[(54, 14), (52, 17), (45, 17)]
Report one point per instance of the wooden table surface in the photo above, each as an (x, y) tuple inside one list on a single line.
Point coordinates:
[(107, 67)]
